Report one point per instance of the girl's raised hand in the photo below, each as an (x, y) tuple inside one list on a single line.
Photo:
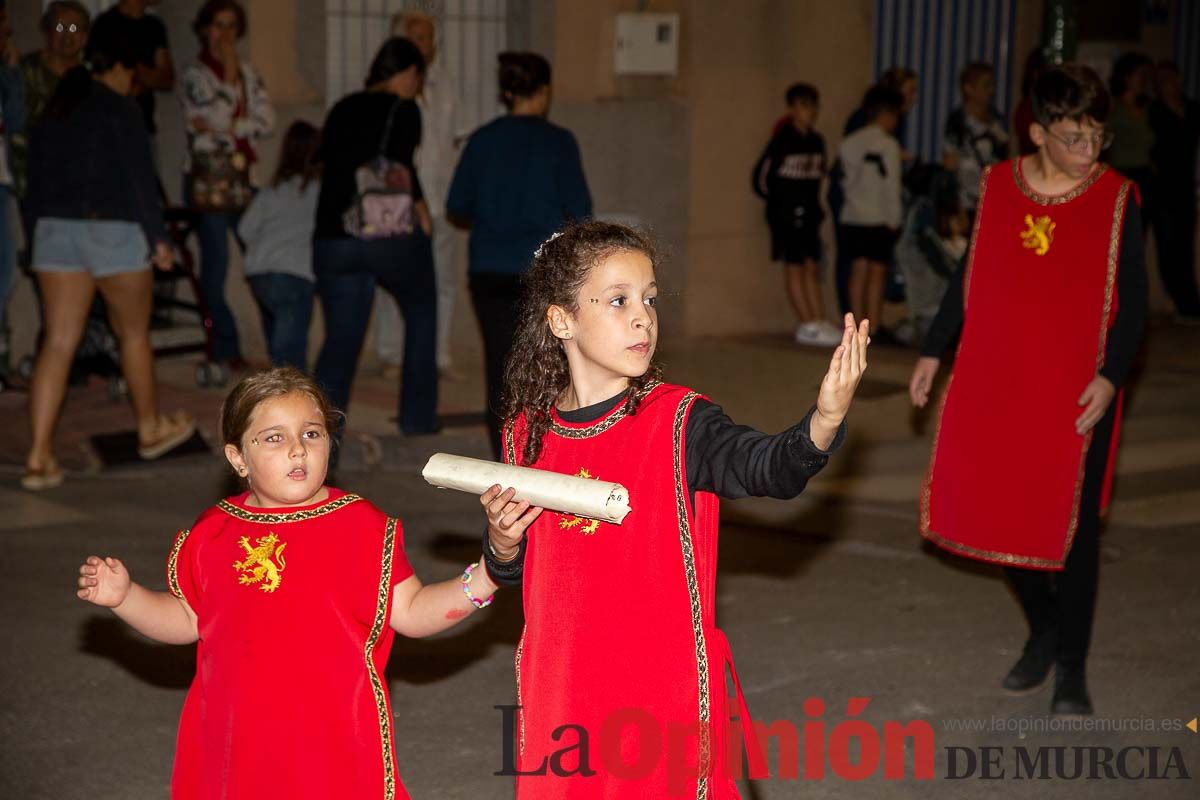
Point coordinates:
[(103, 581), (845, 371), (507, 520)]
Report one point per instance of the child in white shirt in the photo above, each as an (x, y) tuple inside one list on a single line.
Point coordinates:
[(872, 213), (277, 229)]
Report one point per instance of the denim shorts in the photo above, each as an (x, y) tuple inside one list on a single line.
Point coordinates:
[(102, 247)]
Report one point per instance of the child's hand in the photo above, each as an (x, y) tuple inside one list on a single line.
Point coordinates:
[(104, 582), (1095, 399), (507, 520), (845, 371), (921, 382)]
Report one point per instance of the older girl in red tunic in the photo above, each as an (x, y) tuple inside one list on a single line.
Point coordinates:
[(292, 591), (621, 668)]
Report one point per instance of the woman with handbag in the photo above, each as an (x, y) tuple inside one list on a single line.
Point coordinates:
[(373, 228), (225, 109), (97, 222)]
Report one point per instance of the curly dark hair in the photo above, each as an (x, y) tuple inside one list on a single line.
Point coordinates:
[(537, 372)]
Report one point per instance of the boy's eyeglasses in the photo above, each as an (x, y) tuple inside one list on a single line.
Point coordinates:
[(1078, 142)]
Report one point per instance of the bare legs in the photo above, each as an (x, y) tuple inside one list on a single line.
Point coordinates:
[(867, 282), (804, 291), (67, 297)]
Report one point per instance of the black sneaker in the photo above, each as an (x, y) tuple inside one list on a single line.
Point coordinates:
[(1070, 692), (1033, 666)]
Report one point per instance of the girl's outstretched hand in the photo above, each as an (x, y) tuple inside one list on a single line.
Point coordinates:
[(845, 371), (507, 520), (103, 581)]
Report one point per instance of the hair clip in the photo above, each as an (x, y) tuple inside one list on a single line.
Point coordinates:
[(542, 247)]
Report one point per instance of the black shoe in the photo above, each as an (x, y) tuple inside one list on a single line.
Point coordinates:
[(1033, 666), (1070, 692)]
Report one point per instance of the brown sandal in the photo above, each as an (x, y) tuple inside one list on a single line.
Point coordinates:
[(173, 430)]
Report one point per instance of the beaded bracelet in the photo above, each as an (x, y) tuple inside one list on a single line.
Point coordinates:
[(466, 584)]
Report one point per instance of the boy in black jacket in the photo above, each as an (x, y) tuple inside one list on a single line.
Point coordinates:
[(788, 176)]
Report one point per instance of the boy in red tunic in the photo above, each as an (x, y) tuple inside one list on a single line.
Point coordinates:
[(293, 591), (621, 654), (1051, 308)]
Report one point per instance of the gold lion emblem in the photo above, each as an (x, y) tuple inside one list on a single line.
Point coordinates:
[(589, 526), (260, 564), (1038, 234)]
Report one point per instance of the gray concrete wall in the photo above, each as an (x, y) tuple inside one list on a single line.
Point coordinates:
[(635, 155)]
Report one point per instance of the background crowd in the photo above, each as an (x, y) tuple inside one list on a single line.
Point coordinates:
[(359, 212)]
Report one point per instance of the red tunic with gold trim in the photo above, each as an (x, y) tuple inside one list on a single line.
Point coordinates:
[(1039, 299), (619, 626), (289, 698)]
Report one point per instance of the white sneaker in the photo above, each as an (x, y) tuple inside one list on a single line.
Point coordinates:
[(831, 334), (807, 333)]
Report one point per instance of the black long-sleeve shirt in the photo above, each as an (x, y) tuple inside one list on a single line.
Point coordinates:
[(725, 458), (732, 460), (1124, 338), (788, 176)]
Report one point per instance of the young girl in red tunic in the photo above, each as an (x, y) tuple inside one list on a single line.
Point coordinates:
[(293, 591), (620, 644)]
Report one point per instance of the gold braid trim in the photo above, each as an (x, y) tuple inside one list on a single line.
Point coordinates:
[(510, 443), (381, 705), (520, 705), (693, 584), (173, 564), (1056, 199), (1110, 280), (268, 518), (604, 424)]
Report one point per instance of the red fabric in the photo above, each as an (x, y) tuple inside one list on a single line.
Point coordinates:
[(610, 620), (1007, 467), (285, 702)]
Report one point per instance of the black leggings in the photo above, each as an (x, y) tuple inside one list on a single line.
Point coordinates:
[(1067, 599)]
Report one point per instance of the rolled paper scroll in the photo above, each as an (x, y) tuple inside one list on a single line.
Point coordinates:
[(567, 494)]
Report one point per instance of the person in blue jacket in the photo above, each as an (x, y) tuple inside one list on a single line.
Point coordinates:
[(520, 179)]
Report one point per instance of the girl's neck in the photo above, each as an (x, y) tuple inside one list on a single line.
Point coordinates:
[(257, 500), (584, 392)]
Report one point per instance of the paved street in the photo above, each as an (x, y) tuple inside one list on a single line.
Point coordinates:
[(829, 596)]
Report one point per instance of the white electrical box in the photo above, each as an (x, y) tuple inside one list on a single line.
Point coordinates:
[(647, 44)]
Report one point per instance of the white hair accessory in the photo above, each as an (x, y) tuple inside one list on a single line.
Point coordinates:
[(542, 247)]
